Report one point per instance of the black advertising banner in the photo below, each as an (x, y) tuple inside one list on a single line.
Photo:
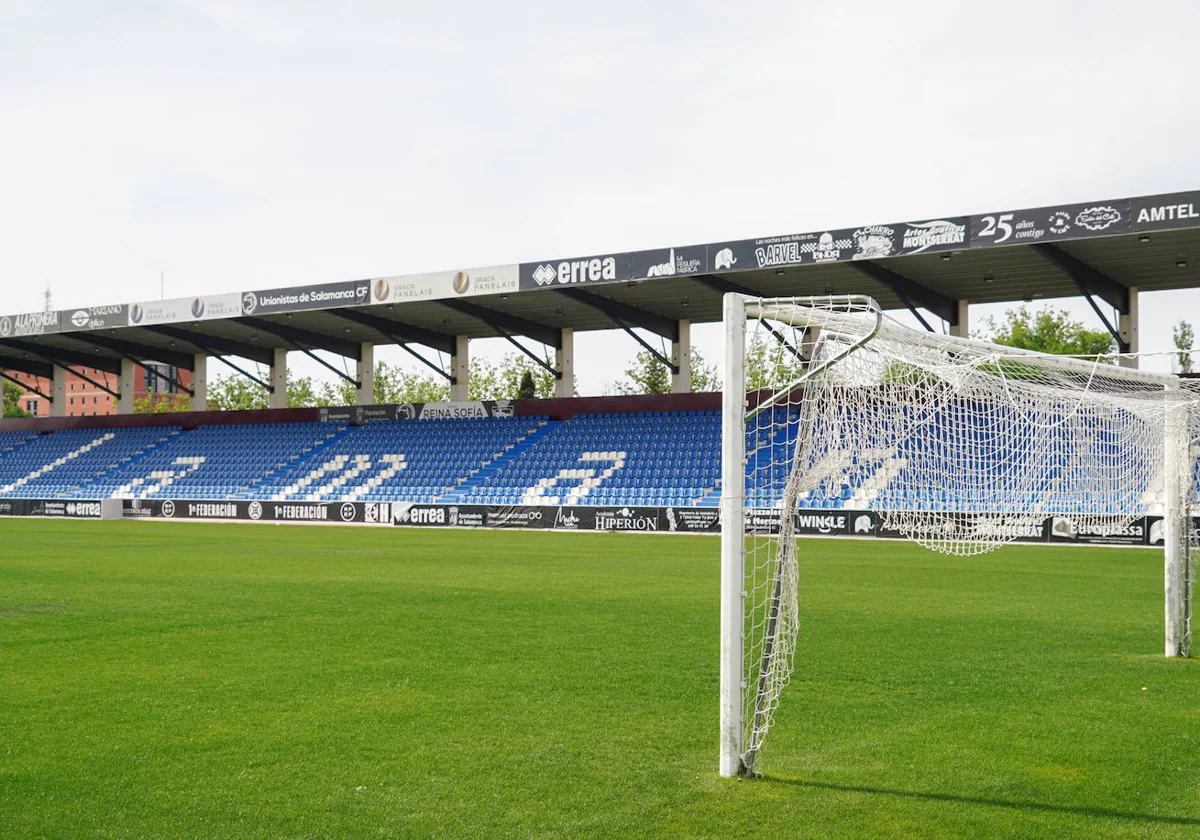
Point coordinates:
[(870, 242), (456, 410), (356, 415), (520, 516), (669, 262), (93, 318), (1142, 530), (372, 513), (1164, 212), (692, 520), (1063, 529), (578, 271), (30, 323), (815, 522), (625, 518), (319, 296), (932, 236), (50, 507), (1051, 224), (447, 516), (64, 320), (1156, 532), (769, 252)]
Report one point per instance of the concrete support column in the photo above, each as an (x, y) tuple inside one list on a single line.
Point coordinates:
[(963, 328), (200, 383), (460, 369), (58, 393), (564, 363), (808, 342), (681, 354), (1127, 326), (366, 375), (125, 387), (277, 398)]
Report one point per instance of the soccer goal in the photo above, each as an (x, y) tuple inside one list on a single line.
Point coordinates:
[(957, 444)]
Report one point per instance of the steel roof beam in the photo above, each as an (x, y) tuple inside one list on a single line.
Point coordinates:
[(299, 337), (911, 293), (63, 357), (1091, 283), (1088, 280), (25, 386), (43, 370), (626, 315), (216, 346), (503, 322), (136, 352), (398, 332), (720, 284)]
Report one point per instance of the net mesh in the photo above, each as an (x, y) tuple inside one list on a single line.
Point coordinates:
[(959, 445)]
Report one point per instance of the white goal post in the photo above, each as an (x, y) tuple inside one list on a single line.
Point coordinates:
[(958, 444)]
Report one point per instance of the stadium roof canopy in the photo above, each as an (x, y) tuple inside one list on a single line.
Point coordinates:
[(1100, 249)]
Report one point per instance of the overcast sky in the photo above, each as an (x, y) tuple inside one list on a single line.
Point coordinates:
[(232, 145)]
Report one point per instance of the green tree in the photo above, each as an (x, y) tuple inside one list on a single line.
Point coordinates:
[(649, 375), (1048, 331), (392, 385), (236, 393), (1184, 338), (646, 375), (162, 404), (503, 381), (404, 387), (12, 401), (526, 390), (301, 392), (705, 376), (769, 364)]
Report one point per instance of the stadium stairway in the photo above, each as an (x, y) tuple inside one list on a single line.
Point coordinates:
[(400, 460), (213, 462), (655, 458), (466, 489)]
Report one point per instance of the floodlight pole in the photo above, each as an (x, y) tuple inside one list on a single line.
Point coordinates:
[(733, 538)]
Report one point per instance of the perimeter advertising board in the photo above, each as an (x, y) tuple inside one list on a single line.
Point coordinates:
[(626, 519), (51, 507), (93, 318), (29, 323), (299, 298), (1166, 212), (869, 242), (499, 279), (1051, 224), (184, 310), (468, 410), (575, 272), (371, 513)]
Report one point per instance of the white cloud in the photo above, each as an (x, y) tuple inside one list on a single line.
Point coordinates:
[(261, 144)]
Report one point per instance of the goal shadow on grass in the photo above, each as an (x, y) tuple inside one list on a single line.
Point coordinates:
[(1013, 804)]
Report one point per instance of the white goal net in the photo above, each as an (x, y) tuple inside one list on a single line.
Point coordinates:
[(837, 417)]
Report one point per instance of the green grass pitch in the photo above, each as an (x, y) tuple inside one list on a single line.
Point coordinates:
[(201, 680)]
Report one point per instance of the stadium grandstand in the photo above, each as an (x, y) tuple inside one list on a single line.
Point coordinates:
[(647, 453)]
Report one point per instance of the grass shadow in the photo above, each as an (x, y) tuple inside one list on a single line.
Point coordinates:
[(1018, 805)]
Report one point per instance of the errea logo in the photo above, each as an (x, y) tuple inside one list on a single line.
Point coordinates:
[(594, 270), (427, 516)]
